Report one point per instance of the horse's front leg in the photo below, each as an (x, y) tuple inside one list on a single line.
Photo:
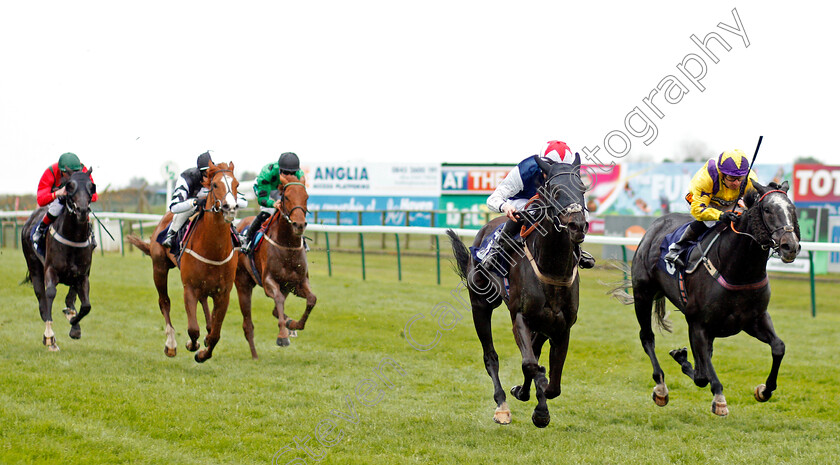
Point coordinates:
[(303, 290), (190, 304), (50, 283), (557, 359), (84, 309), (532, 370), (764, 332), (523, 392), (208, 318), (70, 304), (220, 306), (272, 290)]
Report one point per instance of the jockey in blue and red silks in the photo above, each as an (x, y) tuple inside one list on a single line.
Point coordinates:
[(514, 192), (51, 190), (714, 188)]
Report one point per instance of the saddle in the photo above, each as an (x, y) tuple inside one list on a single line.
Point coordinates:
[(487, 244)]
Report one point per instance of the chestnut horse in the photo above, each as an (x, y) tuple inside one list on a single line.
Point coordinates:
[(208, 264), (280, 262), (67, 256)]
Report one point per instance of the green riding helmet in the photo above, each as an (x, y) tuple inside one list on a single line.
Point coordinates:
[(69, 161)]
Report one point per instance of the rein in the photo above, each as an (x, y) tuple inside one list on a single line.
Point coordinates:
[(774, 245)]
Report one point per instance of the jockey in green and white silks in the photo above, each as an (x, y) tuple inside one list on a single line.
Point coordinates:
[(265, 188), (713, 191)]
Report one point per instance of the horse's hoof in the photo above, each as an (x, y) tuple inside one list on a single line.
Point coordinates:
[(720, 409), (49, 341), (201, 356), (283, 341), (170, 351), (192, 346), (53, 348), (502, 414), (75, 332), (540, 418), (761, 394), (520, 394), (659, 398), (679, 355), (69, 313)]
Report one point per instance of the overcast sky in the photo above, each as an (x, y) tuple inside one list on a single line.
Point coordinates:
[(130, 85)]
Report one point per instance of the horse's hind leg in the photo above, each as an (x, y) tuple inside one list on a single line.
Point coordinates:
[(84, 309), (481, 313), (159, 275), (244, 289), (643, 303), (764, 332), (531, 369), (523, 392)]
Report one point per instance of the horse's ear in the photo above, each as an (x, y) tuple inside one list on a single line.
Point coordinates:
[(230, 166), (576, 164), (544, 165), (752, 196), (90, 172), (784, 186)]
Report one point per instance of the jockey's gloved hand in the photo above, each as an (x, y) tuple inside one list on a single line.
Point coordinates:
[(728, 217)]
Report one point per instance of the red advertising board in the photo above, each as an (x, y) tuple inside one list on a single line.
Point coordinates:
[(816, 183)]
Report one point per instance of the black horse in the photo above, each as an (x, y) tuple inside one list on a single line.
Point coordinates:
[(67, 256), (724, 291), (543, 296)]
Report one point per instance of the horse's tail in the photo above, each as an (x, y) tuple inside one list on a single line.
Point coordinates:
[(618, 290), (462, 255), (145, 247), (659, 315), (26, 279)]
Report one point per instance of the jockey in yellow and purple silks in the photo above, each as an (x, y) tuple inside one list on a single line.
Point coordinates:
[(713, 191)]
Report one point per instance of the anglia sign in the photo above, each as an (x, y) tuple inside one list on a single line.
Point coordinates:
[(816, 183)]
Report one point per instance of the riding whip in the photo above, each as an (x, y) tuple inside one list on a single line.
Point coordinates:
[(749, 169), (103, 226)]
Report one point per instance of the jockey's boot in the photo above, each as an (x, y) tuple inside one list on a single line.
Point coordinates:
[(170, 238), (586, 260), (674, 251), (252, 231), (503, 247), (38, 236)]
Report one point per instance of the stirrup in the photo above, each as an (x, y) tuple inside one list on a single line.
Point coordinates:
[(170, 238)]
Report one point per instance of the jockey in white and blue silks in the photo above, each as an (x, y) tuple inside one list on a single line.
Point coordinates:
[(514, 191)]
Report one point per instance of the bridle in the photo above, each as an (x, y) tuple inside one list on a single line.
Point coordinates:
[(282, 210), (216, 206), (563, 210), (787, 228)]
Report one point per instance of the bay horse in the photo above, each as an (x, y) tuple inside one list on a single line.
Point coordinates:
[(207, 262), (68, 254), (544, 288), (280, 262), (725, 296)]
